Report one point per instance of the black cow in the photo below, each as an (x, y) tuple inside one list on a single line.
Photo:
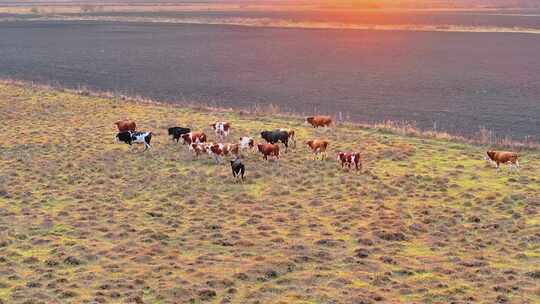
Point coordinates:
[(238, 169), (124, 137), (135, 137), (273, 137), (176, 132)]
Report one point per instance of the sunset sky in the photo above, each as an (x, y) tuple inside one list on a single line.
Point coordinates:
[(431, 3), (327, 3)]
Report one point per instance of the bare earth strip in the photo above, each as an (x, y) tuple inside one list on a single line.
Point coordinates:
[(82, 220), (282, 23)]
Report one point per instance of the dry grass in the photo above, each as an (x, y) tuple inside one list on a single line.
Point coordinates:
[(75, 7), (82, 220)]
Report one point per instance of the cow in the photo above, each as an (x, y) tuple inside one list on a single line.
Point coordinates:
[(268, 150), (292, 136), (350, 159), (246, 143), (193, 137), (136, 137), (503, 157), (273, 137), (221, 128), (199, 148), (319, 121), (124, 136), (318, 146), (176, 132), (218, 151), (126, 125), (238, 169)]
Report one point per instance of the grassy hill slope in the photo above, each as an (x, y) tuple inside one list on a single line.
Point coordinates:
[(82, 220)]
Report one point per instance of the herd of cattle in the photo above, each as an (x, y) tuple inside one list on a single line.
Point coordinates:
[(197, 142)]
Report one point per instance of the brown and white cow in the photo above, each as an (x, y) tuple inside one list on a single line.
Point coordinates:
[(199, 148), (503, 157), (246, 143), (292, 136), (350, 159), (319, 121), (268, 150), (193, 137), (126, 125), (218, 151), (221, 128), (318, 146)]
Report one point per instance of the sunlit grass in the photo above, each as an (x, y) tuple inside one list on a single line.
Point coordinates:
[(84, 219)]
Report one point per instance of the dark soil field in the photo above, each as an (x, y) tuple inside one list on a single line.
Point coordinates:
[(449, 81), (83, 220)]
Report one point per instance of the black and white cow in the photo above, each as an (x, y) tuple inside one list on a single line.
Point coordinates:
[(238, 169), (130, 137), (176, 132)]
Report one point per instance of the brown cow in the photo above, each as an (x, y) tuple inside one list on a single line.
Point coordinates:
[(318, 146), (349, 159), (193, 137), (126, 125), (319, 121), (268, 150), (503, 157)]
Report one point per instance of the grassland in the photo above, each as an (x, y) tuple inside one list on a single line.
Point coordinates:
[(82, 220)]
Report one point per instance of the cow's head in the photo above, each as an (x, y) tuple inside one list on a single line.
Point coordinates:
[(309, 120), (340, 156), (236, 160), (490, 155)]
